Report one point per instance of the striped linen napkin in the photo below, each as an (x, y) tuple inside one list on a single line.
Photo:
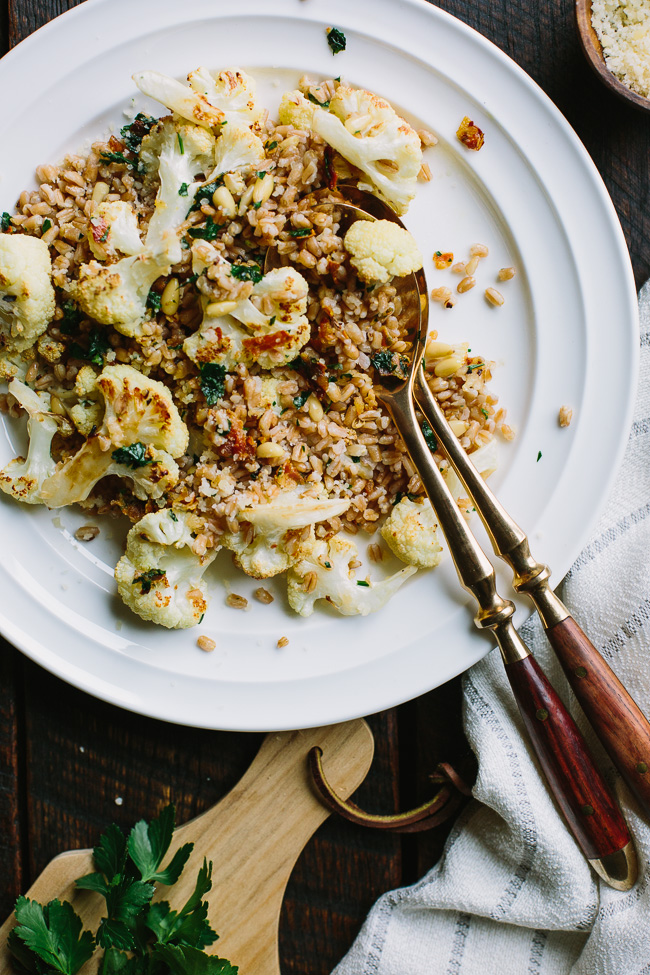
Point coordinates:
[(512, 893)]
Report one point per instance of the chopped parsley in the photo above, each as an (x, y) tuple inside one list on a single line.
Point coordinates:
[(173, 517), (272, 322), (302, 232), (485, 413), (475, 365), (270, 145), (430, 440), (362, 582), (154, 300), (328, 565), (312, 98), (213, 384), (134, 133), (209, 232), (205, 193), (257, 205), (5, 221), (390, 363), (147, 579), (117, 157), (405, 494), (247, 272), (180, 143), (355, 460), (438, 254), (69, 324), (47, 223), (183, 189), (336, 40), (539, 456), (98, 346), (300, 400), (133, 456)]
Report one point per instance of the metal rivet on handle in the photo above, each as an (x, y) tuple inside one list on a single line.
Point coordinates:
[(541, 714), (588, 810), (581, 672), (642, 768)]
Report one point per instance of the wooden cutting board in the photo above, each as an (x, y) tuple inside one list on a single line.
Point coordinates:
[(254, 836)]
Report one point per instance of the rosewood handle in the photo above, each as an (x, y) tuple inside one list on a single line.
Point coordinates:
[(589, 809), (618, 721)]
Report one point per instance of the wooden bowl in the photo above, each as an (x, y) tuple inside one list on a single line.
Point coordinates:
[(594, 54)]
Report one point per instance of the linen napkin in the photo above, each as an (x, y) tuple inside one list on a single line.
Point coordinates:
[(512, 894)]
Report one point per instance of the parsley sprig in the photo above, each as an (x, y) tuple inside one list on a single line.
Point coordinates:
[(138, 937)]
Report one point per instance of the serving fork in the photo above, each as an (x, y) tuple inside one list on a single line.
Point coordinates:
[(588, 806)]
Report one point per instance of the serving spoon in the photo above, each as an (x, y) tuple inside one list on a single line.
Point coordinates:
[(590, 811), (593, 51)]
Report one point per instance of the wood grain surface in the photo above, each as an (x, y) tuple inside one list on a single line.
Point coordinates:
[(69, 764)]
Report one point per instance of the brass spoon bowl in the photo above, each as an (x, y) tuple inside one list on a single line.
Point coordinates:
[(594, 53)]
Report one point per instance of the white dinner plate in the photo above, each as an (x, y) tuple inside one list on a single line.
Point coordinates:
[(567, 334)]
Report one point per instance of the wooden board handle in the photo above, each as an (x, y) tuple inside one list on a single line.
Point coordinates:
[(618, 721), (589, 809)]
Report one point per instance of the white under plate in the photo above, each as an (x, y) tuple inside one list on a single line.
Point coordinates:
[(566, 334)]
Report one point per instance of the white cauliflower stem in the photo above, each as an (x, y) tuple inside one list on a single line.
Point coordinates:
[(231, 92), (27, 298), (411, 533), (139, 414), (23, 477), (368, 132), (275, 314), (276, 524), (381, 249), (328, 563), (178, 98), (160, 577)]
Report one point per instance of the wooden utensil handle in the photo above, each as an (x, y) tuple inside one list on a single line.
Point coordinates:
[(615, 717), (590, 811)]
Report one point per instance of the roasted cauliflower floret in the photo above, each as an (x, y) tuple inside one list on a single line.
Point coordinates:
[(275, 313), (27, 299), (411, 533), (296, 110), (140, 435), (368, 132), (23, 477), (88, 413), (231, 91), (277, 526), (325, 573), (113, 229), (160, 578), (179, 98), (381, 249), (237, 149), (117, 294)]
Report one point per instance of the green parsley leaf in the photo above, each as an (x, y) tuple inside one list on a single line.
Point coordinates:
[(328, 565), (302, 232), (336, 40), (133, 134), (172, 515), (53, 932), (133, 456), (431, 441), (148, 843), (205, 193), (183, 190), (183, 960), (270, 145), (209, 232), (362, 582), (146, 579), (247, 272), (539, 456), (180, 143), (212, 382), (390, 363), (154, 300), (98, 346), (301, 399), (117, 157), (475, 365), (69, 324), (312, 98), (47, 223), (5, 221)]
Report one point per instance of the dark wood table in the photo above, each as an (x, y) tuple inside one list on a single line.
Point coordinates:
[(70, 764)]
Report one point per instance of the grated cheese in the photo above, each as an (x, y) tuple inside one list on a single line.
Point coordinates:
[(624, 33)]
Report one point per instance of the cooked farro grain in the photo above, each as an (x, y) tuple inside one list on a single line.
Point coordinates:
[(507, 273), (283, 642), (235, 601), (206, 643), (86, 533), (263, 595), (565, 416)]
